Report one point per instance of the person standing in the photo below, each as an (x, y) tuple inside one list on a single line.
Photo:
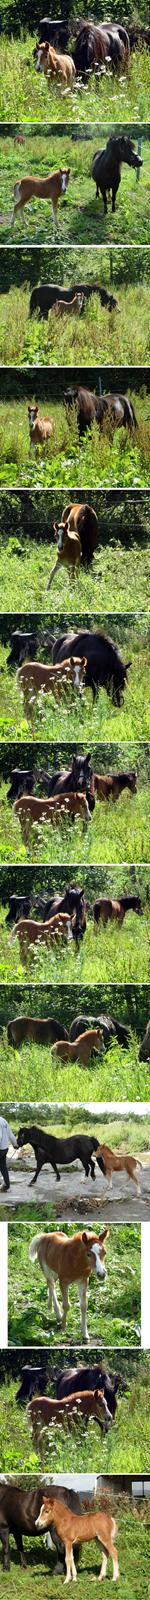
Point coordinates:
[(6, 1138)]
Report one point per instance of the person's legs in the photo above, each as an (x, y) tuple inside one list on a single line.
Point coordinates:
[(4, 1169)]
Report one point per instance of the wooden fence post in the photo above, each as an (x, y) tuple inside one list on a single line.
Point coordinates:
[(111, 266), (139, 151)]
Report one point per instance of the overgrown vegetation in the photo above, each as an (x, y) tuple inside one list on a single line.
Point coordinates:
[(114, 1310), (64, 337), (104, 93), (15, 13), (81, 217), (104, 457), (125, 1448)]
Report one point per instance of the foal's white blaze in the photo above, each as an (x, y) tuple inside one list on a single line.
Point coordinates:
[(88, 813), (107, 1412), (63, 182), (39, 1517), (60, 536), (39, 62), (99, 1264), (77, 674), (32, 416)]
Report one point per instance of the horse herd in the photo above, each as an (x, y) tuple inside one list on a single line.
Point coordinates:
[(65, 916), (46, 295), (65, 792), (49, 1031), (95, 46), (88, 658)]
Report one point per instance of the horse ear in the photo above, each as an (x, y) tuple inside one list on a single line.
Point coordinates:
[(85, 1237), (104, 1235)]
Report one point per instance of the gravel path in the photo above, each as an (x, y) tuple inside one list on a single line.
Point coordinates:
[(76, 1198)]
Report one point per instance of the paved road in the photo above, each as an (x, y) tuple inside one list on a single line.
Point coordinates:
[(77, 1199)]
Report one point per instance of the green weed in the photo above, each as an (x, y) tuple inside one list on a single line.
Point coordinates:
[(25, 96)]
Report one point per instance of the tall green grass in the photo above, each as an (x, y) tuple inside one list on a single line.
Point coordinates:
[(30, 1071), (104, 457), (67, 338), (25, 95), (117, 575)]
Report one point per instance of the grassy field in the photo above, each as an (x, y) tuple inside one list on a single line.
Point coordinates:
[(113, 1312), (96, 335), (114, 834), (117, 575), (81, 217), (133, 1550), (51, 720), (118, 955), (118, 1073), (24, 95), (125, 1448), (102, 458), (120, 567)]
